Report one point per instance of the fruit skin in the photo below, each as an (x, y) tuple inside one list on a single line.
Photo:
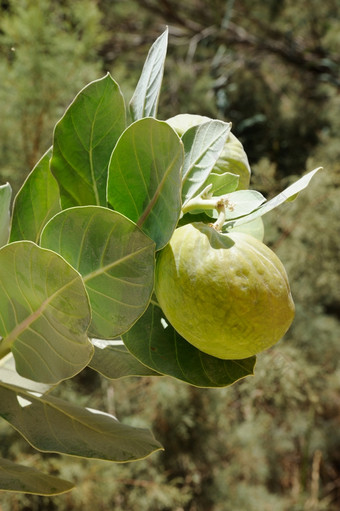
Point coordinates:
[(227, 294), (233, 157)]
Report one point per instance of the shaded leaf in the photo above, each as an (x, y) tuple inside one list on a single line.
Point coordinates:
[(115, 361), (145, 178), (157, 345), (203, 144), (144, 101), (36, 202), (115, 258), (8, 374), (5, 201), (22, 479), (53, 425), (83, 141), (221, 183), (44, 313)]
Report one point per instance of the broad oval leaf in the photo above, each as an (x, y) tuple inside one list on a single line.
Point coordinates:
[(221, 183), (282, 197), (5, 201), (157, 345), (8, 374), (83, 142), (44, 313), (36, 202), (22, 479), (53, 425), (255, 228), (144, 181), (243, 202), (203, 145), (115, 361), (115, 258), (144, 101)]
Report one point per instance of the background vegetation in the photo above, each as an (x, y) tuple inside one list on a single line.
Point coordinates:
[(272, 441)]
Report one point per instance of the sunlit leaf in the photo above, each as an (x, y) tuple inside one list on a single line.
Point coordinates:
[(202, 146), (144, 101), (255, 228), (83, 142), (115, 258), (44, 313), (5, 201), (22, 479), (243, 202), (36, 202), (115, 361), (157, 345), (53, 425), (284, 196), (145, 178)]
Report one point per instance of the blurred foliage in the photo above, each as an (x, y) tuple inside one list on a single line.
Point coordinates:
[(272, 441), (48, 51)]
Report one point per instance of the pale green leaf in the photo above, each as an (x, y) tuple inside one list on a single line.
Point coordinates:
[(83, 142), (115, 361), (284, 196), (221, 183), (157, 345), (36, 202), (243, 202), (22, 479), (44, 313), (53, 425), (144, 101), (203, 144), (5, 201), (115, 258), (145, 178), (255, 228)]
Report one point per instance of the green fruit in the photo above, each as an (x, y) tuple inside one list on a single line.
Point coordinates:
[(227, 294), (233, 158)]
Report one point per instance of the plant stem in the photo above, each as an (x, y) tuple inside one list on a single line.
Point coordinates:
[(206, 202)]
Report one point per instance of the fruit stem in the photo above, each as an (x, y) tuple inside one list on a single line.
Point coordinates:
[(206, 202)]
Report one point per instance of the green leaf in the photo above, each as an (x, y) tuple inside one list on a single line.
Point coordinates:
[(83, 142), (22, 479), (115, 258), (115, 361), (203, 144), (8, 374), (157, 345), (36, 202), (284, 196), (50, 424), (5, 201), (243, 202), (221, 183), (44, 313), (255, 228), (145, 178), (144, 101)]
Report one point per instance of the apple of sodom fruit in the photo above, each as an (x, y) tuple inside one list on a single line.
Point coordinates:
[(226, 294)]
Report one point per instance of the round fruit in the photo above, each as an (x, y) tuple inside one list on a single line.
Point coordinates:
[(226, 294), (233, 158)]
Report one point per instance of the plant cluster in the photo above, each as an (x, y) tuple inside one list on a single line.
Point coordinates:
[(77, 265)]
